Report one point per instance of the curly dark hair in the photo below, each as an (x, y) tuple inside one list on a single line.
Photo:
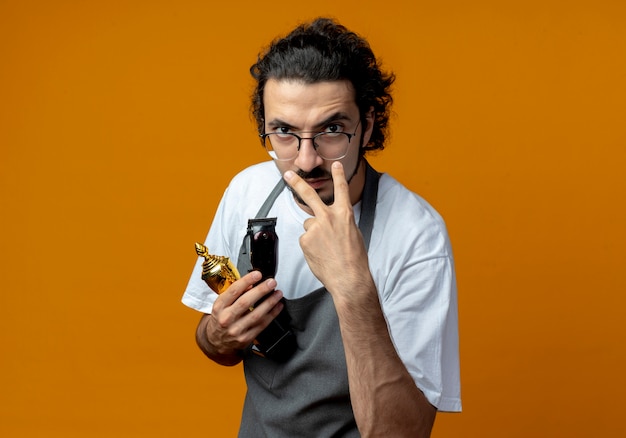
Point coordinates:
[(324, 50)]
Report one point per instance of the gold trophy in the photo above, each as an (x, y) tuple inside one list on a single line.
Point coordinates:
[(217, 271)]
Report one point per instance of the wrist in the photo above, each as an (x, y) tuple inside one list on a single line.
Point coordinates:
[(222, 356)]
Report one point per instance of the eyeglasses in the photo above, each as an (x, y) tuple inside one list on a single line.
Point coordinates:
[(284, 146)]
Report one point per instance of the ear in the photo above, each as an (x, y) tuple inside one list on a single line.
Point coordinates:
[(368, 126)]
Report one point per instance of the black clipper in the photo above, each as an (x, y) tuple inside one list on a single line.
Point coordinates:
[(277, 341)]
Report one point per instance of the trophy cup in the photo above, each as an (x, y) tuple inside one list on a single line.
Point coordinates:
[(218, 272)]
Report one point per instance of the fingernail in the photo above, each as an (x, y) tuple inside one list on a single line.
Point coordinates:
[(271, 283), (289, 175)]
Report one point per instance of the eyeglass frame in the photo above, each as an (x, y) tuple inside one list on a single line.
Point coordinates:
[(315, 145)]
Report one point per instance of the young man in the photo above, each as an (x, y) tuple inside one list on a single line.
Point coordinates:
[(365, 267)]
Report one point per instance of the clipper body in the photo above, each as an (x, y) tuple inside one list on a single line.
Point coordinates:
[(277, 341)]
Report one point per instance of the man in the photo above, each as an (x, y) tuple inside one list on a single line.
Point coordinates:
[(365, 266)]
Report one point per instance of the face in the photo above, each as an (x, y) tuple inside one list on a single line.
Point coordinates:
[(306, 109)]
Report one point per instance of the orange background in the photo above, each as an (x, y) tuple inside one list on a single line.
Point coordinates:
[(121, 123)]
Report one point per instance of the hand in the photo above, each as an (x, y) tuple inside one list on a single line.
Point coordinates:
[(332, 243), (233, 323)]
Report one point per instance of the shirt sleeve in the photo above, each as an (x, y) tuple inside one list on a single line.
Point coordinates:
[(422, 318)]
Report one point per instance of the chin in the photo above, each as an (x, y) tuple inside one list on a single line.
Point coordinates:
[(328, 200)]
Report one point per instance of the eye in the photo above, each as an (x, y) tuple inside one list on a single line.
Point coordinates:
[(333, 129), (283, 131)]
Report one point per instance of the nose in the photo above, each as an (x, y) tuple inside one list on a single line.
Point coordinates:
[(307, 158)]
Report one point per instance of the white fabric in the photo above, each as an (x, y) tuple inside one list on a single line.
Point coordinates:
[(410, 259)]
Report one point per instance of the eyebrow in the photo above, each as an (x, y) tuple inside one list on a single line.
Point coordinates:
[(335, 117)]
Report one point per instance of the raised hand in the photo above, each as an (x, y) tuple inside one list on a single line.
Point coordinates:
[(332, 243)]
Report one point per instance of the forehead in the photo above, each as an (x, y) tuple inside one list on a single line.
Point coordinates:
[(304, 103)]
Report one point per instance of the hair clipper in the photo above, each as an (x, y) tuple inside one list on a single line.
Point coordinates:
[(277, 340)]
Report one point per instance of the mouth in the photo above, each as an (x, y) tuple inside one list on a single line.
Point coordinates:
[(316, 178), (316, 183)]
